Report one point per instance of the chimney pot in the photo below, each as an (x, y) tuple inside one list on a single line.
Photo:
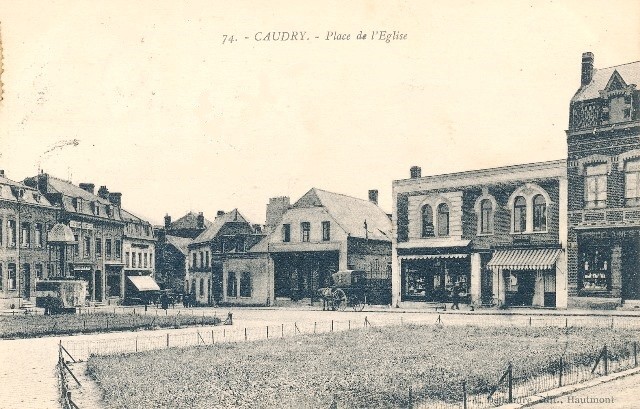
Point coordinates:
[(2, 172), (416, 172), (88, 187), (103, 192), (587, 68), (220, 213), (373, 196), (200, 220), (116, 199)]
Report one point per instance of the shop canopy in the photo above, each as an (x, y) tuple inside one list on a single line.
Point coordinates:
[(524, 259), (431, 256), (144, 283)]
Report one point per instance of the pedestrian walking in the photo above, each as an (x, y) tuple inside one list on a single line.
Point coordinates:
[(455, 296)]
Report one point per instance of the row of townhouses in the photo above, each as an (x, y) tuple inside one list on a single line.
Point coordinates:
[(558, 234), (53, 232)]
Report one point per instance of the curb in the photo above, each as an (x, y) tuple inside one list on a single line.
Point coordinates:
[(565, 390)]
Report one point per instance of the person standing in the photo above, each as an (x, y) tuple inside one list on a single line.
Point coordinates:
[(455, 296)]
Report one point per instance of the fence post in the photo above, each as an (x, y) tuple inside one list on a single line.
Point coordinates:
[(464, 394), (167, 340), (606, 361), (561, 370), (349, 324), (331, 325), (245, 333), (529, 321), (282, 331), (314, 327), (510, 381), (410, 405), (267, 332), (635, 354), (107, 323), (612, 322), (566, 322)]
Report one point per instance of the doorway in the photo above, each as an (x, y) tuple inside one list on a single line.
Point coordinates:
[(26, 279), (631, 269), (520, 288)]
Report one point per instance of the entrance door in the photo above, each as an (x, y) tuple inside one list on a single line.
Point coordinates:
[(520, 288), (631, 269), (486, 286), (26, 279)]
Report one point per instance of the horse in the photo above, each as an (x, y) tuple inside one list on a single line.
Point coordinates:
[(326, 295)]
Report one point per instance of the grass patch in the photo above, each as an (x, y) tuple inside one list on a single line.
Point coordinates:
[(29, 326), (370, 368)]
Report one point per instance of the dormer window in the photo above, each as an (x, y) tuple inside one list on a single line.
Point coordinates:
[(36, 197)]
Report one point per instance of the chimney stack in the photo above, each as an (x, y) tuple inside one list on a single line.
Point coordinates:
[(2, 173), (416, 172), (88, 187), (373, 196), (167, 221), (200, 220), (276, 208), (116, 199), (103, 192), (587, 68)]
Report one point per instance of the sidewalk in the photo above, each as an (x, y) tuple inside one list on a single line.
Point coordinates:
[(616, 391)]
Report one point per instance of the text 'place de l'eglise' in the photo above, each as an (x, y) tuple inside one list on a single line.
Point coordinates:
[(558, 234)]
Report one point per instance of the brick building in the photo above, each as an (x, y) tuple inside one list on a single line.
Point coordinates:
[(97, 226), (138, 246), (222, 270), (497, 233), (603, 172), (172, 242), (26, 217), (324, 232)]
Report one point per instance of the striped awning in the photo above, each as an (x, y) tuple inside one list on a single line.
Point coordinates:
[(144, 283), (524, 259), (431, 256)]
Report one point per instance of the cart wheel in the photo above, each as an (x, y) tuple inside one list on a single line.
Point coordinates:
[(358, 304), (339, 299)]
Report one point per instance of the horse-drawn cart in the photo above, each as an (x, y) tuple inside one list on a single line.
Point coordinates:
[(349, 289)]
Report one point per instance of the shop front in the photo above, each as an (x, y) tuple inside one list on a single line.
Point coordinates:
[(298, 275), (525, 277), (608, 264), (432, 277)]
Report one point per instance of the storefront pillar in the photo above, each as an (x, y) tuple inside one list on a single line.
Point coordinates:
[(475, 283), (562, 282), (538, 290), (499, 285), (616, 270)]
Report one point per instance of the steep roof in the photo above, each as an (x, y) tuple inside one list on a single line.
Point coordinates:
[(214, 228), (130, 217), (181, 243), (71, 190), (629, 72), (9, 191), (188, 221), (350, 213)]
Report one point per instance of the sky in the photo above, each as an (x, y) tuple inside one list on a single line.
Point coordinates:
[(177, 121)]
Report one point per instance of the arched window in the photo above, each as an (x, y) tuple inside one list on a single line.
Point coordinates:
[(486, 216), (427, 221), (539, 213), (443, 219), (519, 215), (202, 287)]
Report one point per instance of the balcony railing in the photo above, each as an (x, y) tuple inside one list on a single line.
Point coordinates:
[(608, 217)]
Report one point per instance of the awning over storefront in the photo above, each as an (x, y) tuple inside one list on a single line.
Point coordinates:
[(431, 256), (524, 259), (144, 283), (433, 243)]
